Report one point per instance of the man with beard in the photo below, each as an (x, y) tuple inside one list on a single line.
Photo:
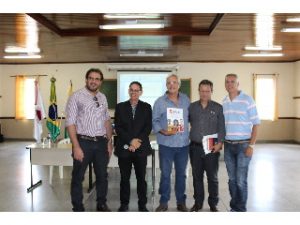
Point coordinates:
[(90, 131)]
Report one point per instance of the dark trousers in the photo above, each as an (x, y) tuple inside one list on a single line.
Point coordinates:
[(210, 164), (95, 152), (125, 165)]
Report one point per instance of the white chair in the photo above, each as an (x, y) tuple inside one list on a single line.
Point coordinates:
[(61, 168)]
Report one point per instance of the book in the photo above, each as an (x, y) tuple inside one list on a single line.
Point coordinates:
[(175, 119), (208, 142)]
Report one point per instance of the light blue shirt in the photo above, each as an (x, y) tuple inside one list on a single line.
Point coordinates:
[(240, 116), (159, 121)]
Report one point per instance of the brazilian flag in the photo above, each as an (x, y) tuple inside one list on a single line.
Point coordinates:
[(53, 123)]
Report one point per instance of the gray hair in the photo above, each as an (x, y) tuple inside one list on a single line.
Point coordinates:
[(232, 75), (177, 77)]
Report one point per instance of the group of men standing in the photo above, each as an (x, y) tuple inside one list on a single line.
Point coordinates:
[(233, 125)]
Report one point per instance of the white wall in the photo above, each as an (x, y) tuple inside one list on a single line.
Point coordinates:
[(297, 88), (297, 101), (216, 73), (1, 89), (197, 71)]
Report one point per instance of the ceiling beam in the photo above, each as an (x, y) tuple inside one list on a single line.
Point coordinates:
[(84, 32), (215, 23), (46, 22), (165, 31)]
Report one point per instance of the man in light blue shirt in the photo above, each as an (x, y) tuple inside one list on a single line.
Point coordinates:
[(170, 123), (241, 123)]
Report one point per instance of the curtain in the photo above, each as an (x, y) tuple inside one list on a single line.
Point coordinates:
[(20, 99), (274, 77)]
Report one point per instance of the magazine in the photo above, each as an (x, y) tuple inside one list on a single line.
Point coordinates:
[(175, 119)]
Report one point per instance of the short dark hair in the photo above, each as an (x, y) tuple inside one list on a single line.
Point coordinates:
[(94, 70), (137, 83), (206, 82)]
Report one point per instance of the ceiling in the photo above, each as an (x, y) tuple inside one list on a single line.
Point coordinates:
[(202, 37)]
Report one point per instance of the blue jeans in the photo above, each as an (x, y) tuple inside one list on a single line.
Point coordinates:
[(237, 164), (168, 155)]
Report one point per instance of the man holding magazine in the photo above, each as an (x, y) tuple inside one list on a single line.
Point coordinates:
[(207, 135)]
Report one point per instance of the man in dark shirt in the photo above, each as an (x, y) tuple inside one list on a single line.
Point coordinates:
[(206, 118), (133, 125)]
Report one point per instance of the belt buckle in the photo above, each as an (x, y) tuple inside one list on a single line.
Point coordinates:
[(94, 139)]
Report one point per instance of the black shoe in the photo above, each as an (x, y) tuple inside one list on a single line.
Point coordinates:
[(78, 209), (214, 209), (123, 208), (196, 208), (103, 208), (143, 209), (161, 208), (182, 207)]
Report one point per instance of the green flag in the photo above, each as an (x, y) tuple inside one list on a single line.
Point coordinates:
[(52, 120)]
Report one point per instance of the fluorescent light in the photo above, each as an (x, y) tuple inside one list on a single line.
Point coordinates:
[(22, 56), (16, 49), (295, 19), (132, 26), (142, 53), (291, 29), (264, 33), (132, 16), (262, 55), (263, 48)]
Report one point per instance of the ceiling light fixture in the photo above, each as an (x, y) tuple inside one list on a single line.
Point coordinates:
[(264, 38), (142, 53), (132, 26), (132, 16), (22, 56), (16, 49), (291, 29), (295, 19), (263, 48), (262, 55), (264, 33)]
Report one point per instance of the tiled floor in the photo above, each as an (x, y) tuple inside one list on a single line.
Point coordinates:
[(274, 183)]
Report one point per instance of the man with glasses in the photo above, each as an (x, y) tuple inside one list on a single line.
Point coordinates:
[(133, 125), (90, 131), (241, 122), (173, 142)]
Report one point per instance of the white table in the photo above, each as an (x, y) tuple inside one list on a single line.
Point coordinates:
[(60, 155), (45, 155)]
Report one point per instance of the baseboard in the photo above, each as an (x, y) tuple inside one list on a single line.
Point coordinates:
[(277, 141), (19, 139)]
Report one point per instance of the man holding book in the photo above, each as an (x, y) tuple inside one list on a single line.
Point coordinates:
[(173, 143), (207, 134)]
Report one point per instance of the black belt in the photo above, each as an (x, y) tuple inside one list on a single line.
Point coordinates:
[(237, 141), (193, 143), (89, 138)]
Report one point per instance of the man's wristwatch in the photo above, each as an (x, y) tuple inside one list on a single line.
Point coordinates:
[(251, 146)]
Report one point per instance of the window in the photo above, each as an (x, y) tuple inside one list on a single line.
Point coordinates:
[(25, 97), (265, 94)]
